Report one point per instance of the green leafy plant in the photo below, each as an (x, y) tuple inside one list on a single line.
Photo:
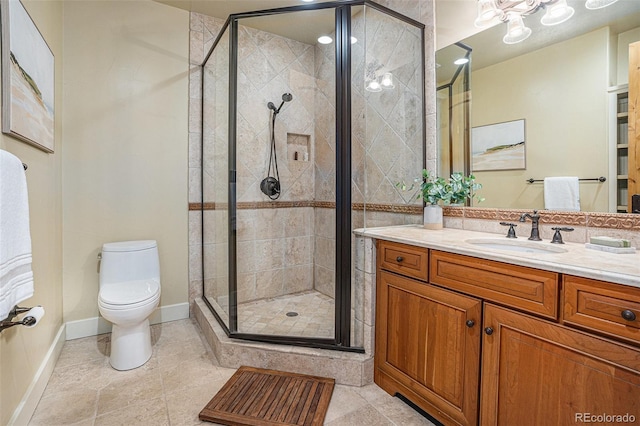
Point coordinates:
[(463, 188), (434, 190)]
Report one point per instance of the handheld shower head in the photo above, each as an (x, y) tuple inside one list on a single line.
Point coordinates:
[(287, 97)]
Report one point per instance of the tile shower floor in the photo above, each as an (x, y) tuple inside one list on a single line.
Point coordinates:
[(174, 385), (315, 315)]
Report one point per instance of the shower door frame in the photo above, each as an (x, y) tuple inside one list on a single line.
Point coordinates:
[(344, 206)]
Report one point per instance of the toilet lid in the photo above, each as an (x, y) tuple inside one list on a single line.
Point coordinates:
[(129, 292)]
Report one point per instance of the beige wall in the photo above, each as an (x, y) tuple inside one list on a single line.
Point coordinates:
[(557, 105), (125, 157), (22, 350)]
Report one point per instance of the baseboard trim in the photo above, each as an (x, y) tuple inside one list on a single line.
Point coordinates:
[(29, 402), (98, 325)]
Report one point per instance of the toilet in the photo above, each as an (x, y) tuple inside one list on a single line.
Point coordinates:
[(129, 293)]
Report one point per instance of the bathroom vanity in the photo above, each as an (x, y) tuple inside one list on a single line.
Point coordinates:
[(477, 335)]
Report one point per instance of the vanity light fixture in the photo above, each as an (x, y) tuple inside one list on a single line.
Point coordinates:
[(512, 12), (325, 40)]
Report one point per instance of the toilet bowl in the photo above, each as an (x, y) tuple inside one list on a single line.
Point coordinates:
[(129, 293)]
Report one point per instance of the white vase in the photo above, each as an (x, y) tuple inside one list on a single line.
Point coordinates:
[(433, 216)]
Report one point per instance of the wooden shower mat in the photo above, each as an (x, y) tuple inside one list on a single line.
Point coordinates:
[(254, 396)]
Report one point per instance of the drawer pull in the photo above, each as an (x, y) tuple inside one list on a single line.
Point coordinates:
[(628, 315), (399, 259), (470, 323), (489, 331)]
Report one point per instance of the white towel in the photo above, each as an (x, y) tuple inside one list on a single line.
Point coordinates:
[(16, 276), (562, 193)]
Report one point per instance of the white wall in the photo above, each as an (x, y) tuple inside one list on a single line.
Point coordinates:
[(22, 350), (125, 157)]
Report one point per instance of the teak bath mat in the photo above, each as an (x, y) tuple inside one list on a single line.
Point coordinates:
[(254, 396)]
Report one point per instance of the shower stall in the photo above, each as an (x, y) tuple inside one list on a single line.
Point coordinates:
[(281, 197)]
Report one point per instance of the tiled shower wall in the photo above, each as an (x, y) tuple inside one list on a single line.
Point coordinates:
[(380, 156)]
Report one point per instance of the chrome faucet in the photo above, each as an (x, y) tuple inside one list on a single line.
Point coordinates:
[(535, 219)]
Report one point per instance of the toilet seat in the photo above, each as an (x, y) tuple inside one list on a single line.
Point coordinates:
[(129, 294)]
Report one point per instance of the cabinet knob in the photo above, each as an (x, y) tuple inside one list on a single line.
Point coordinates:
[(489, 331), (628, 315), (399, 259), (470, 323)]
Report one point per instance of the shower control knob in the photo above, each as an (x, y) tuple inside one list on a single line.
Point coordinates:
[(399, 259)]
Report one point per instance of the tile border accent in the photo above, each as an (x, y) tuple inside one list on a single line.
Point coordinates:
[(387, 208), (591, 219)]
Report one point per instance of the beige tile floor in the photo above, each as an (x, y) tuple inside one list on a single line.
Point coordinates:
[(174, 385), (315, 317)]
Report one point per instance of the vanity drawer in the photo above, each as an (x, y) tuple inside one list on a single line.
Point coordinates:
[(519, 287), (611, 309), (403, 259)]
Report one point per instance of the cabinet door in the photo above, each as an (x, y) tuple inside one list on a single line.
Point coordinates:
[(538, 373), (428, 347)]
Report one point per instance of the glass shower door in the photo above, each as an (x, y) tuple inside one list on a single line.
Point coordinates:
[(285, 170), (215, 179)]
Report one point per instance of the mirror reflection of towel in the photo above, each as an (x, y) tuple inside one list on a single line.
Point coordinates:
[(562, 193)]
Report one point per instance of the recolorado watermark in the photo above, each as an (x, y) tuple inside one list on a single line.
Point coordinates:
[(604, 418)]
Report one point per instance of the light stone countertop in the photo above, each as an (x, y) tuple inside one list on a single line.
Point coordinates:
[(578, 260)]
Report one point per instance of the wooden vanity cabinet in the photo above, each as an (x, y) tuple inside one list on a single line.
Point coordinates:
[(542, 362), (535, 372), (428, 345)]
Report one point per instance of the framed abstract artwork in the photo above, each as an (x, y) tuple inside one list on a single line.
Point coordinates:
[(498, 146), (28, 80)]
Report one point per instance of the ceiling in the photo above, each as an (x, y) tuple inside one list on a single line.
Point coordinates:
[(488, 47), (303, 30), (454, 22)]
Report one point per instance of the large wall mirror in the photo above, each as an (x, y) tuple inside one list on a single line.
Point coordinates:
[(562, 88)]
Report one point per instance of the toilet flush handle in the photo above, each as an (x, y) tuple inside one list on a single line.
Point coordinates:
[(99, 261)]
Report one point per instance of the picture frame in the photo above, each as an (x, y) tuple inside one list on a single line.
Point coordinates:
[(499, 146), (28, 79)]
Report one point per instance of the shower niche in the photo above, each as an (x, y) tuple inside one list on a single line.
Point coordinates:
[(296, 148)]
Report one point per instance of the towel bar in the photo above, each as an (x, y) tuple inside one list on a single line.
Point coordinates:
[(599, 179), (17, 310)]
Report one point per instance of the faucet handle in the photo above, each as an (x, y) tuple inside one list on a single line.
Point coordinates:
[(557, 237), (511, 233)]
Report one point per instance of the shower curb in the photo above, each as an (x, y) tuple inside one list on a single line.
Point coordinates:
[(347, 368)]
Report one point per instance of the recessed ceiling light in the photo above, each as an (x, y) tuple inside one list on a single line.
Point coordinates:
[(325, 40), (461, 61), (308, 1)]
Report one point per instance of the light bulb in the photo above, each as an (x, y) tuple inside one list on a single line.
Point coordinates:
[(557, 13), (387, 81), (325, 40), (598, 4), (516, 30), (374, 86)]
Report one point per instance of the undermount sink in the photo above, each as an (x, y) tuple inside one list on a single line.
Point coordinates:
[(513, 245)]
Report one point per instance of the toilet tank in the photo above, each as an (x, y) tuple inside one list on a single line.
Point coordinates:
[(129, 261)]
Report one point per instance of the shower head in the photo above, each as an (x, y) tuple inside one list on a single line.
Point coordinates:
[(286, 97)]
